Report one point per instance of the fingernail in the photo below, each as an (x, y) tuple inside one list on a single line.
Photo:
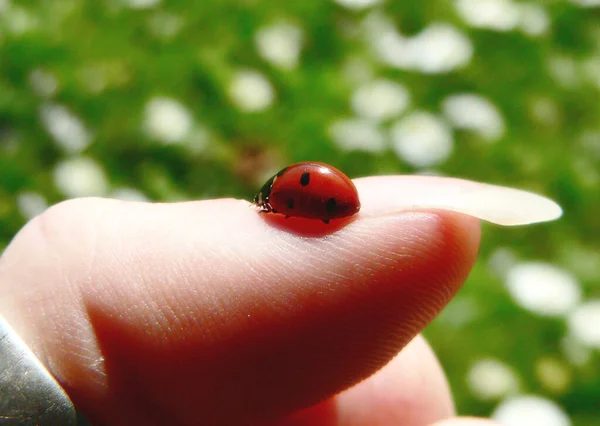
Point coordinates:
[(492, 203)]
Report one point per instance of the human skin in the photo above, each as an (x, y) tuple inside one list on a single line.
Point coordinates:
[(209, 313)]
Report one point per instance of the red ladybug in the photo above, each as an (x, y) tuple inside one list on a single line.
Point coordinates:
[(309, 190)]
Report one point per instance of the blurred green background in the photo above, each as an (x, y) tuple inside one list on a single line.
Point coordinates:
[(143, 99)]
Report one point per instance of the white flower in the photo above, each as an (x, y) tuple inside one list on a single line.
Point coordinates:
[(357, 71), (491, 379), (439, 48), (165, 25), (586, 3), (358, 135), (534, 19), (501, 261), (380, 100), (141, 4), (543, 288), (280, 44), (474, 112), (18, 20), (574, 350), (564, 69), (43, 83), (198, 140), (80, 177), (167, 120), (66, 128), (584, 324), (31, 204), (128, 194), (591, 67), (530, 411), (387, 43), (357, 4), (250, 91), (422, 139), (93, 78), (500, 15)]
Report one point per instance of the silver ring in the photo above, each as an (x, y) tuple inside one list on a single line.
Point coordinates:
[(29, 395)]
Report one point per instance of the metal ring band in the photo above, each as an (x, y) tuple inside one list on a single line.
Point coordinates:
[(29, 395)]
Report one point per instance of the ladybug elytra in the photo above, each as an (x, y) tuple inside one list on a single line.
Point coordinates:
[(309, 190)]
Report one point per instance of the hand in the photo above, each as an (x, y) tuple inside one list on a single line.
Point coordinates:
[(209, 313)]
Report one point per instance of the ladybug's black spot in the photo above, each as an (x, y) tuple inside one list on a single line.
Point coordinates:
[(331, 205), (290, 203), (305, 179)]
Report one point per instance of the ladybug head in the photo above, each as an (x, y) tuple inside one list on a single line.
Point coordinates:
[(262, 198)]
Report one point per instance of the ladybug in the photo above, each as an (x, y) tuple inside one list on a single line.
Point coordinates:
[(309, 190)]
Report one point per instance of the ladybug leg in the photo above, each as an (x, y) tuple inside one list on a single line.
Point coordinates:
[(266, 208)]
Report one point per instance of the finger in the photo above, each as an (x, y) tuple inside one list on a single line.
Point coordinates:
[(410, 391), (204, 311)]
